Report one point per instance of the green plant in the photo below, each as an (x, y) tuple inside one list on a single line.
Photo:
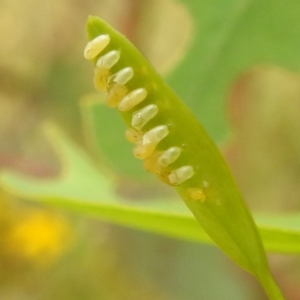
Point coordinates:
[(175, 147), (68, 191)]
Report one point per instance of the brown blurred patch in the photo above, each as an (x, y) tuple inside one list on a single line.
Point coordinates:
[(164, 33), (264, 152)]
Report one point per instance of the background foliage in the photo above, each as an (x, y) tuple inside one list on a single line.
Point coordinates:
[(235, 64)]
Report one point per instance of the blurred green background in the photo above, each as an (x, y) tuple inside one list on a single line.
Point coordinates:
[(234, 63)]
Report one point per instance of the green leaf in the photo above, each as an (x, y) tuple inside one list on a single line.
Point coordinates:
[(106, 141), (93, 195), (220, 210), (81, 188), (230, 37)]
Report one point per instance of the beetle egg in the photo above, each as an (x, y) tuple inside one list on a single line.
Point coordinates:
[(115, 94), (150, 163), (141, 151), (169, 156), (143, 116), (181, 174), (150, 139), (155, 135), (108, 60), (123, 76), (133, 136), (196, 194), (132, 99), (100, 79), (95, 46)]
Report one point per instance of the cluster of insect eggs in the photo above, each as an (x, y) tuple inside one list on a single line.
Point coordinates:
[(157, 162)]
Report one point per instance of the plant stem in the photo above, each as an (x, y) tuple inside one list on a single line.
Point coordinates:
[(271, 288)]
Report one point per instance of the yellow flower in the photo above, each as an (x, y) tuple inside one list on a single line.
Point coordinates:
[(39, 236)]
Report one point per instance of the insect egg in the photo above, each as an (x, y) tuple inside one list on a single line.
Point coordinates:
[(155, 135), (115, 94), (123, 76), (196, 194), (141, 117), (133, 136), (150, 164), (181, 174), (150, 139), (100, 79), (95, 46), (132, 99), (169, 156), (102, 72), (108, 60)]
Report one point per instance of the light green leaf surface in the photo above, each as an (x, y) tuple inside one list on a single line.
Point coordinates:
[(82, 188), (104, 131), (222, 202), (93, 194), (230, 37)]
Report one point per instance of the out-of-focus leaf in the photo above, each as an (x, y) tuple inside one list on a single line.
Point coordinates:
[(230, 37), (222, 201), (104, 132), (264, 152), (83, 189)]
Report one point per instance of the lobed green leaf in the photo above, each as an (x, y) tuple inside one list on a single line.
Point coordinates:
[(223, 214), (81, 188)]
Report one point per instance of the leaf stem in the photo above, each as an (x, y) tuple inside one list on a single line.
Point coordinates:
[(271, 288)]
